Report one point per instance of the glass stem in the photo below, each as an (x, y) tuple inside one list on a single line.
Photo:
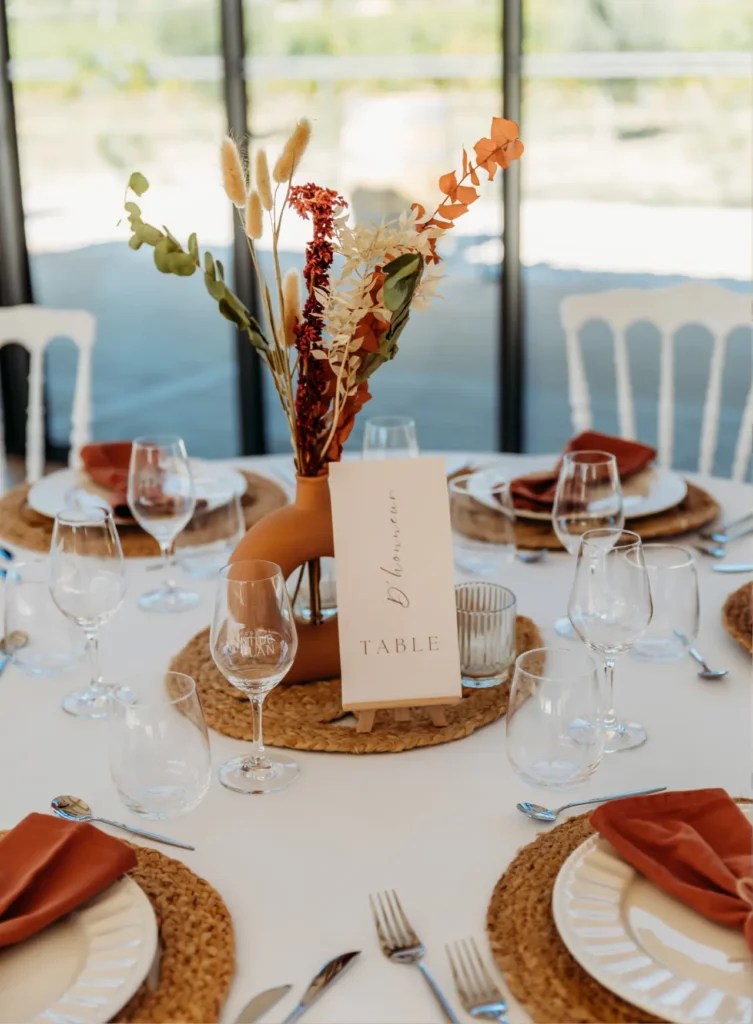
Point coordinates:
[(610, 719), (168, 558), (259, 757), (92, 648)]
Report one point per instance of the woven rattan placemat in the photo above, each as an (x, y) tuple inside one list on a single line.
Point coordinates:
[(309, 716), (737, 616), (21, 525), (538, 969), (196, 943), (197, 960), (696, 510)]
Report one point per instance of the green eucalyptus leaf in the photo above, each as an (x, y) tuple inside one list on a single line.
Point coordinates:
[(209, 265), (220, 270), (162, 253), (256, 335), (147, 233), (135, 242), (181, 263), (133, 208), (402, 277), (138, 183), (231, 314), (215, 288), (193, 247), (173, 239)]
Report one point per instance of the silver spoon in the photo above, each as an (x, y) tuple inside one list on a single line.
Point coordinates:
[(17, 640), (75, 809), (539, 813), (531, 557), (708, 673), (695, 654)]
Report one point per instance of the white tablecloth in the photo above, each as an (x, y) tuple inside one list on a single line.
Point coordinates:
[(439, 825)]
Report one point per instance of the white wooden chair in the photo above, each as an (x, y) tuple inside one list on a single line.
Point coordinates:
[(717, 309), (34, 327)]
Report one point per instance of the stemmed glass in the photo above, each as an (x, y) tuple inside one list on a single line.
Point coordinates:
[(390, 437), (87, 583), (610, 609), (253, 642), (161, 498), (588, 497)]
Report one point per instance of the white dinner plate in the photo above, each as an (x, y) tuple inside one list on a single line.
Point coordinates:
[(84, 967), (648, 492), (216, 484), (647, 947)]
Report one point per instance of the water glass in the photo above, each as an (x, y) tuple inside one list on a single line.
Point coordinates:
[(38, 639), (610, 609), (159, 745), (588, 497), (483, 522), (253, 642), (674, 593), (162, 499), (87, 583), (553, 715), (486, 632), (390, 437), (211, 535)]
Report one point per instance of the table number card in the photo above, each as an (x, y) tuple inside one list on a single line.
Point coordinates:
[(395, 583)]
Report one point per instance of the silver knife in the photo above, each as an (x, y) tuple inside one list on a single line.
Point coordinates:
[(732, 568), (326, 977), (261, 1003)]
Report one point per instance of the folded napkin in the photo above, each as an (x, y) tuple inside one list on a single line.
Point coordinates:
[(107, 463), (536, 491), (695, 845), (48, 867)]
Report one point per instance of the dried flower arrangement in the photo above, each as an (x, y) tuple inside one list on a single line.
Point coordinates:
[(321, 355)]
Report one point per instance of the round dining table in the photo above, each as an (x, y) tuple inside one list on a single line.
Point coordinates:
[(439, 825)]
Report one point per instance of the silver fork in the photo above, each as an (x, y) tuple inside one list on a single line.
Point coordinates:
[(477, 990), (401, 944)]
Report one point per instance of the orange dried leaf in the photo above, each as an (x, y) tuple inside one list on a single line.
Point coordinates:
[(504, 130), (453, 211), (448, 183), (420, 210), (465, 194), (465, 163), (436, 223), (514, 150), (474, 176)]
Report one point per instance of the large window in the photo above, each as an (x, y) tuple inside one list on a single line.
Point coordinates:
[(394, 88), (103, 87), (637, 173)]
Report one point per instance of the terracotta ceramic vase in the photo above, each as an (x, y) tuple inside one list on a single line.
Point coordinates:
[(290, 536)]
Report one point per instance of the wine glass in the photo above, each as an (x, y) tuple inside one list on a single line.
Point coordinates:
[(87, 583), (610, 609), (161, 498), (588, 497), (390, 437), (253, 642)]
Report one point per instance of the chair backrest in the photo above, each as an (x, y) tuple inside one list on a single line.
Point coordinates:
[(717, 309), (34, 327)]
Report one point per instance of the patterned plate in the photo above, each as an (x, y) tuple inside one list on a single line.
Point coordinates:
[(85, 967), (647, 947)]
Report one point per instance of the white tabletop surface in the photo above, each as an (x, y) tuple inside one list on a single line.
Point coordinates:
[(439, 825)]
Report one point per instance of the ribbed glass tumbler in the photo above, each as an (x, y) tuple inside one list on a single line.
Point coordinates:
[(486, 632)]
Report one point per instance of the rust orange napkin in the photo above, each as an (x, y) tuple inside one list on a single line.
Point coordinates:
[(107, 464), (48, 867), (695, 845), (536, 491)]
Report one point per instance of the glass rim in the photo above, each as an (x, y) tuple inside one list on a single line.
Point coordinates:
[(606, 458), (390, 421), (463, 478), (157, 441), (605, 531), (510, 598), (93, 516), (570, 652), (166, 702), (688, 555), (273, 571)]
